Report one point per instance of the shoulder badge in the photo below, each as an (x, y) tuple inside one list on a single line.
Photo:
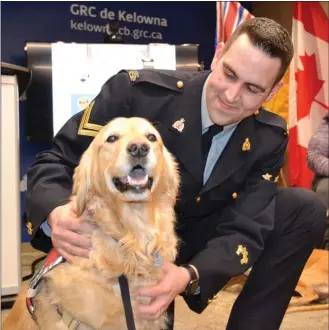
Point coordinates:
[(133, 75)]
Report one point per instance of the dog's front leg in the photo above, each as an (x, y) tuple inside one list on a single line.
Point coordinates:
[(308, 295)]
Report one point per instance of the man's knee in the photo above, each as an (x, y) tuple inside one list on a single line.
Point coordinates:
[(311, 211)]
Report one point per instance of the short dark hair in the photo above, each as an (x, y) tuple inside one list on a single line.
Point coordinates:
[(270, 37)]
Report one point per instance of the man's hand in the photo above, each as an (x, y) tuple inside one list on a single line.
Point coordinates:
[(173, 282), (70, 234)]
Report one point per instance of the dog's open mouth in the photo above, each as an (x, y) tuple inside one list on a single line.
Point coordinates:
[(136, 181)]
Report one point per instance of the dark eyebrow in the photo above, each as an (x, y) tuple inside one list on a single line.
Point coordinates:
[(228, 67)]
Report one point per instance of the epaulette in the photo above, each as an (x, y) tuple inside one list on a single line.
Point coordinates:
[(272, 119), (174, 80)]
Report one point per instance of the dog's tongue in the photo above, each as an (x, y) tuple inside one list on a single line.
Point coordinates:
[(137, 177)]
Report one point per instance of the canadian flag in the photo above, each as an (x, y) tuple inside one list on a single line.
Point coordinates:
[(308, 88)]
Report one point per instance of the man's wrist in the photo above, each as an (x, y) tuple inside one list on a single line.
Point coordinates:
[(193, 280), (186, 278)]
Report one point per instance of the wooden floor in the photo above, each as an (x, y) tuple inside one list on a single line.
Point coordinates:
[(215, 316)]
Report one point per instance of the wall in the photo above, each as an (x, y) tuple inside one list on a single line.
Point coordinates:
[(280, 11)]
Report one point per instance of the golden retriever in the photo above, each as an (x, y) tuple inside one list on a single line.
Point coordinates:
[(312, 286), (128, 183)]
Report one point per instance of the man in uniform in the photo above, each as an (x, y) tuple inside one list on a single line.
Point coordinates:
[(231, 215)]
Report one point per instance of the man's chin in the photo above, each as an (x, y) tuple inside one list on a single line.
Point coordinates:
[(222, 118)]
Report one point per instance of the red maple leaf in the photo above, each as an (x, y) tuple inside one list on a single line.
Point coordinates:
[(308, 85)]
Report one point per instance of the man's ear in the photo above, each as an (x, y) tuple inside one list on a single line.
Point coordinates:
[(274, 90), (218, 55)]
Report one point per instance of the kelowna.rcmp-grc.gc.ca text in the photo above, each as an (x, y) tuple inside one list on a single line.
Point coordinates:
[(121, 16)]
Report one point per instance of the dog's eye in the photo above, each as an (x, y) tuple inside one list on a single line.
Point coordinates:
[(112, 138), (151, 137)]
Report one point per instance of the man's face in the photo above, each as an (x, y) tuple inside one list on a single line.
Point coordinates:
[(241, 81)]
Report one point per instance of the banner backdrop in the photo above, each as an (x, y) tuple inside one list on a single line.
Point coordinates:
[(89, 22)]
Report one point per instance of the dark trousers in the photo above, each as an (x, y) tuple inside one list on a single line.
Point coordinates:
[(298, 229)]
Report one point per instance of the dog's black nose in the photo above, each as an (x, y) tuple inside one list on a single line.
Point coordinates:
[(138, 149)]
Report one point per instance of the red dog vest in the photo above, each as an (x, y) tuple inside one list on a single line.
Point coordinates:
[(53, 259)]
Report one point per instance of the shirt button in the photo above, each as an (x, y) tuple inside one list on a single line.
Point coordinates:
[(198, 199), (234, 195)]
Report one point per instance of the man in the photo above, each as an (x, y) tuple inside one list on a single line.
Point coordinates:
[(230, 214)]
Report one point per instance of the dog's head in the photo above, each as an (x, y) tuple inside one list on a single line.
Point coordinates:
[(127, 160)]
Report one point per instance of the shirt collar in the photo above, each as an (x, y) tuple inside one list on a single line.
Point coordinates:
[(206, 122)]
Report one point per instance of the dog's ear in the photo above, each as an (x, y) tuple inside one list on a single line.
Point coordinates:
[(173, 179), (81, 182)]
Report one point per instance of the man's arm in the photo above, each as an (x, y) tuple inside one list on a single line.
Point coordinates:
[(49, 179), (242, 233), (244, 224)]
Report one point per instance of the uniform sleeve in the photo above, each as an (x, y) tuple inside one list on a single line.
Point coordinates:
[(242, 231), (49, 178)]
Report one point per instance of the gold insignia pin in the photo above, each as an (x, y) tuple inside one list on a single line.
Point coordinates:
[(234, 195), (179, 125), (246, 145), (277, 179), (242, 250), (267, 176), (133, 75)]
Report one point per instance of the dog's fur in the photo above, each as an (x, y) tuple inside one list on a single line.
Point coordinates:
[(132, 227), (313, 284)]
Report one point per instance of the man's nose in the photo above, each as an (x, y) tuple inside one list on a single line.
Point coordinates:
[(232, 93), (137, 149)]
